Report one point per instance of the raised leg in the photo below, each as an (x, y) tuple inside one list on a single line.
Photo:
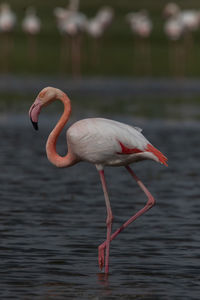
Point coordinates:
[(108, 222), (149, 204)]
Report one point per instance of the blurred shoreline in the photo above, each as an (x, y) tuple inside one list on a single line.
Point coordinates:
[(103, 86)]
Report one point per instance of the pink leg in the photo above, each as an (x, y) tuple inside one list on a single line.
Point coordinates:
[(108, 222), (149, 204)]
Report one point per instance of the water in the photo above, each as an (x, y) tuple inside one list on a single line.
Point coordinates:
[(52, 220)]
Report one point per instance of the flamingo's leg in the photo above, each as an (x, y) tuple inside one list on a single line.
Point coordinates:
[(108, 223), (149, 204)]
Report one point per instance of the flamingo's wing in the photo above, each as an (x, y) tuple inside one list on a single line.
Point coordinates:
[(102, 140), (132, 141), (138, 128), (139, 144)]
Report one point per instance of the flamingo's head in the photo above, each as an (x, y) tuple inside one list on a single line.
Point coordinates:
[(45, 97)]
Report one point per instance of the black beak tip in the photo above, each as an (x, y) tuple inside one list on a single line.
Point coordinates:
[(35, 125)]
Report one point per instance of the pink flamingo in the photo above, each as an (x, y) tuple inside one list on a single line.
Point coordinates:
[(7, 25), (102, 142), (141, 25), (31, 25)]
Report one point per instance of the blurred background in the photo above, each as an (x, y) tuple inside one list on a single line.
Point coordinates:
[(145, 49), (111, 40)]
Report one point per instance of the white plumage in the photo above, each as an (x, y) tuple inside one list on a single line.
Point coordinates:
[(75, 23), (7, 18), (174, 28), (98, 24), (99, 141), (140, 23), (180, 21), (31, 23)]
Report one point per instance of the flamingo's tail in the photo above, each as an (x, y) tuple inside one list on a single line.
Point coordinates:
[(162, 159)]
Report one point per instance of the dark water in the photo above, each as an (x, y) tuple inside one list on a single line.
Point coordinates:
[(52, 220)]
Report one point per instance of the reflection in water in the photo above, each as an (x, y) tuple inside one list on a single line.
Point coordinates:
[(52, 220), (103, 279)]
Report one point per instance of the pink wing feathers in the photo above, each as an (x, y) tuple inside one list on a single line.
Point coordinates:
[(156, 152), (148, 148), (108, 142)]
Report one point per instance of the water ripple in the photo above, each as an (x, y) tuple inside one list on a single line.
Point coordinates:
[(52, 221)]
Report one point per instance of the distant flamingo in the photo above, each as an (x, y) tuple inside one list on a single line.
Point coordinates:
[(190, 18), (96, 28), (7, 24), (182, 24), (31, 25), (71, 24), (102, 142), (7, 18), (174, 29), (141, 26)]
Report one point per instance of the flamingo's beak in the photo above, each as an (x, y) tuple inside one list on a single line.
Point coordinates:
[(34, 112)]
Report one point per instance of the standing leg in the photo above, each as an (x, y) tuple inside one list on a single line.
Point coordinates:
[(108, 221), (148, 205)]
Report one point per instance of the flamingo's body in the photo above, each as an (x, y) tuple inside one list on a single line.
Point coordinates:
[(70, 20), (106, 142), (174, 28), (141, 26), (7, 18), (190, 18), (102, 142), (31, 23), (94, 28), (71, 24), (181, 23), (140, 23)]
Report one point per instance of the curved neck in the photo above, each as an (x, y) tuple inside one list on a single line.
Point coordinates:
[(69, 159)]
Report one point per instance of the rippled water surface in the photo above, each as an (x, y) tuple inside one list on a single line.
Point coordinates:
[(52, 220)]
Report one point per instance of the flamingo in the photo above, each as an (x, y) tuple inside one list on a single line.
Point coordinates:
[(71, 24), (96, 28), (190, 18), (105, 16), (102, 142), (98, 24), (141, 25), (31, 25), (7, 24), (175, 31), (174, 28), (182, 23), (62, 14), (73, 27), (7, 18)]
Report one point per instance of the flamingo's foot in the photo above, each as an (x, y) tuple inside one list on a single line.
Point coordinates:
[(101, 255)]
